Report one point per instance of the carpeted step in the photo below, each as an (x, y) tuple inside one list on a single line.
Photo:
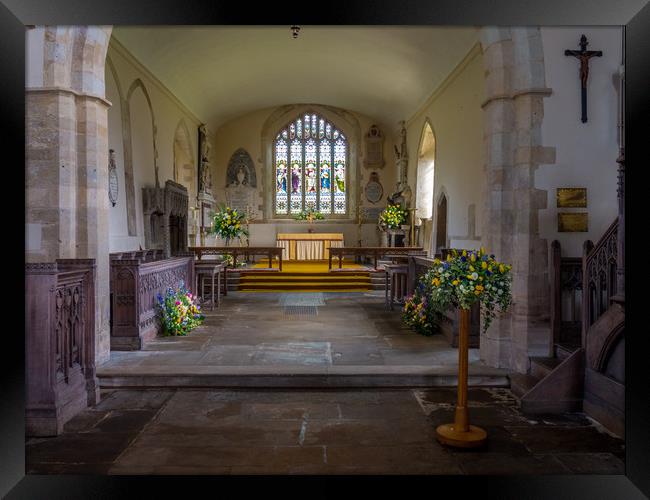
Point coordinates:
[(287, 285), (301, 279)]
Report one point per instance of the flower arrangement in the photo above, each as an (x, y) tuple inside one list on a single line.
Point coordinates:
[(228, 223), (393, 216), (466, 278), (309, 215), (179, 312), (418, 313), (229, 261)]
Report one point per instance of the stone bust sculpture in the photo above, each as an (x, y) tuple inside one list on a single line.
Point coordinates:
[(241, 176)]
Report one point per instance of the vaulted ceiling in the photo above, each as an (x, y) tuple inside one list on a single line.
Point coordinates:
[(222, 72)]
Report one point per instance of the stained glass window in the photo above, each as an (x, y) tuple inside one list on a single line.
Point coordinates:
[(310, 163)]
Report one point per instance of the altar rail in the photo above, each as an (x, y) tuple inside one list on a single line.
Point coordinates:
[(271, 252), (59, 343), (135, 285), (374, 252), (418, 266)]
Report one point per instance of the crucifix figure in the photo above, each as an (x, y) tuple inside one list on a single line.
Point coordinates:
[(584, 55)]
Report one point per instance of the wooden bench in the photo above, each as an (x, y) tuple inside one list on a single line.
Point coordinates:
[(237, 251), (374, 252)]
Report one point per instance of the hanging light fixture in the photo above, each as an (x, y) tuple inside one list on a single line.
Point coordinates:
[(295, 30)]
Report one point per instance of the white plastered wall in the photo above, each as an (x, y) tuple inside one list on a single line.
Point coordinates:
[(167, 114), (585, 152), (456, 117)]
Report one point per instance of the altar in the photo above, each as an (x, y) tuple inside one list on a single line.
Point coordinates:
[(308, 246)]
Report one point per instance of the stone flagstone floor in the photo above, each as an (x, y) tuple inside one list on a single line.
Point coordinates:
[(297, 329), (219, 432), (181, 430)]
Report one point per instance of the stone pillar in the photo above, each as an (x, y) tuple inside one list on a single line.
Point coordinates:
[(92, 209), (495, 344), (514, 109), (67, 157)]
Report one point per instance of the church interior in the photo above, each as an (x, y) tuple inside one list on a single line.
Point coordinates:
[(299, 186)]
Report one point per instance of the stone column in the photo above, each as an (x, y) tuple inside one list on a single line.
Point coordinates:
[(92, 209), (514, 109), (495, 344), (67, 157)]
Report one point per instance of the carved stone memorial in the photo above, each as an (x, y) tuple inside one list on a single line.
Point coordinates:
[(374, 148)]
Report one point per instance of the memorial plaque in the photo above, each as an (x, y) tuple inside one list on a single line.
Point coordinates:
[(374, 189), (372, 214), (572, 222), (571, 197)]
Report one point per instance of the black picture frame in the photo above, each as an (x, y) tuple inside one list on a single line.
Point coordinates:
[(634, 14)]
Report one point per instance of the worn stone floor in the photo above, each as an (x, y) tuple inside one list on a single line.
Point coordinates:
[(374, 431), (297, 329)]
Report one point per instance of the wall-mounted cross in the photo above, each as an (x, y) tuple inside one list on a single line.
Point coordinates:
[(584, 55)]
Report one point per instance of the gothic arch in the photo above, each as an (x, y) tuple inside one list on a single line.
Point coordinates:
[(184, 165), (129, 185), (345, 121), (137, 84), (424, 182), (425, 169)]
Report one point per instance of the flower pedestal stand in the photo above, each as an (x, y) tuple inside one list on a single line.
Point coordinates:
[(461, 434)]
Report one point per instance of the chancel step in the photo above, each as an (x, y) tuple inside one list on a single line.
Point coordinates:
[(296, 376)]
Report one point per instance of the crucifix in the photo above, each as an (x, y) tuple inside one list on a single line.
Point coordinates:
[(584, 55)]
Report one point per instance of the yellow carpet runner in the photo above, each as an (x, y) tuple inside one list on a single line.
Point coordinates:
[(305, 276)]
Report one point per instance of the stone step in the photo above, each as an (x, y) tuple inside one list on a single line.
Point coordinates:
[(341, 376), (540, 367), (521, 383)]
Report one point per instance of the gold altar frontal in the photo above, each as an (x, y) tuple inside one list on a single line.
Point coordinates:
[(308, 246)]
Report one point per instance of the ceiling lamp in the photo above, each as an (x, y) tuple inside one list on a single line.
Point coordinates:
[(294, 31)]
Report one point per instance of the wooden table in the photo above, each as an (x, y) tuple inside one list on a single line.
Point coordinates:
[(396, 277), (236, 251), (375, 252), (308, 246)]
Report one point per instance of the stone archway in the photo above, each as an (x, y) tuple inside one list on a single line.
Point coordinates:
[(67, 156)]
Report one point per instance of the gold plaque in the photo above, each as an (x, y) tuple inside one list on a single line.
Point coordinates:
[(572, 197), (572, 222)]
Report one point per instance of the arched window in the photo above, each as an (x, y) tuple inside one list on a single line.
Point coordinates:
[(425, 166), (310, 163)]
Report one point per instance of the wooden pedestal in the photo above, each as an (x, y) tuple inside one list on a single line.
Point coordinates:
[(460, 434)]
